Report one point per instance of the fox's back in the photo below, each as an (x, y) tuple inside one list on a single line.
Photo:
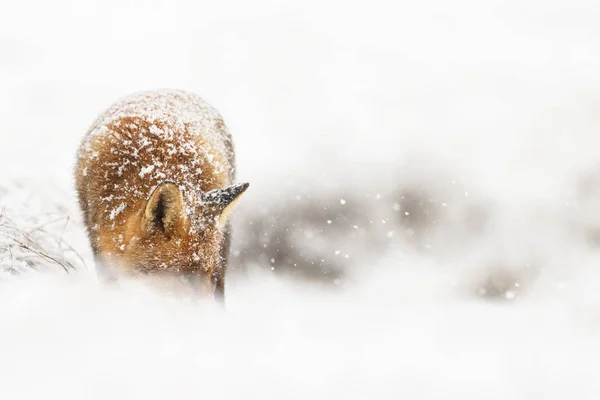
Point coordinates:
[(142, 141)]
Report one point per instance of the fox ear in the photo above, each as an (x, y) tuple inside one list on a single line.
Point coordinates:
[(222, 201), (164, 209)]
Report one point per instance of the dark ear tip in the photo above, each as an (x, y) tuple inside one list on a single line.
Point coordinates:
[(224, 197), (238, 188)]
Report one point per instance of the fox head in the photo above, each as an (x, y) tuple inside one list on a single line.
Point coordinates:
[(171, 241)]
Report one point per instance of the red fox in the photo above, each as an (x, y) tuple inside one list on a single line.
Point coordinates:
[(155, 181)]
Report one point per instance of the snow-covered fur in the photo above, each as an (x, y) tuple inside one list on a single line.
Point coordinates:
[(155, 180)]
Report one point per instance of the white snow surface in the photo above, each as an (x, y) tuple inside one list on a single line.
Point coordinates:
[(500, 98)]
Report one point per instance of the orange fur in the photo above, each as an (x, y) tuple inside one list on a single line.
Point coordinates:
[(142, 174)]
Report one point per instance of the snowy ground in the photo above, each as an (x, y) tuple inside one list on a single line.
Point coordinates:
[(423, 220)]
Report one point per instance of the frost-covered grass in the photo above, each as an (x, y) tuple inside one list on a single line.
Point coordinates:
[(31, 247), (32, 241), (434, 163)]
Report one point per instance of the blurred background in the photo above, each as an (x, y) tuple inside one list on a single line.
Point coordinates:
[(413, 167)]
